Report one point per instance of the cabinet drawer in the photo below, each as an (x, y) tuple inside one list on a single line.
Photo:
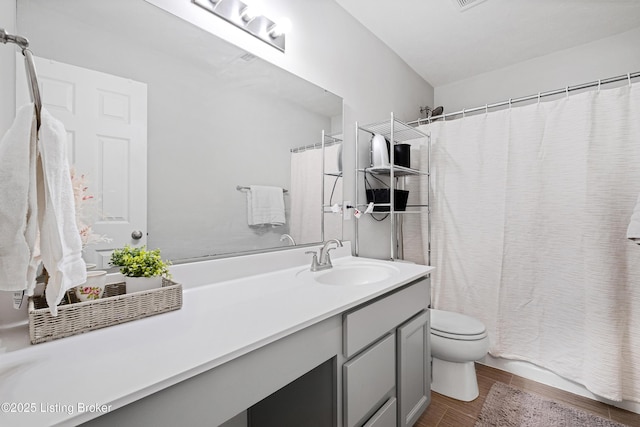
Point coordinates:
[(385, 417), (365, 325), (368, 380)]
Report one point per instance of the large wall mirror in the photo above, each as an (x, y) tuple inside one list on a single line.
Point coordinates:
[(217, 119)]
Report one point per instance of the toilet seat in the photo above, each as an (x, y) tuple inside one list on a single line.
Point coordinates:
[(456, 326)]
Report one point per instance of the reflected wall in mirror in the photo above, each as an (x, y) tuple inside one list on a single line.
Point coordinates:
[(218, 118)]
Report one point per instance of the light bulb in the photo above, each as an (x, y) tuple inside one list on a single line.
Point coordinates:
[(251, 12), (282, 26)]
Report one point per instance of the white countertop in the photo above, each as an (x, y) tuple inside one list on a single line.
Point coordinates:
[(217, 323)]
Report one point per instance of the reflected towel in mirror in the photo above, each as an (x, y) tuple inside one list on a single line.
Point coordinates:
[(265, 206)]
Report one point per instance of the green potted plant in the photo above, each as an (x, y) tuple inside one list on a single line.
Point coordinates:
[(142, 269)]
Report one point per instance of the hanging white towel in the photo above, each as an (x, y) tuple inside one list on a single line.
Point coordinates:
[(633, 231), (60, 244), (265, 206), (18, 216)]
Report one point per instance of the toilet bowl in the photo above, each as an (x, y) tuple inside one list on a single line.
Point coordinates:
[(457, 341)]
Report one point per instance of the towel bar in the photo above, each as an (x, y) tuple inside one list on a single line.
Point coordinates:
[(243, 188)]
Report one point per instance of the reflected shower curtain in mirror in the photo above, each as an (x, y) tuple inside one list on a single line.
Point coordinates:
[(530, 209), (306, 171), (306, 191), (332, 192)]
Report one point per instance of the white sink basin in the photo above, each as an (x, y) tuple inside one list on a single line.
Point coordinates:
[(352, 274)]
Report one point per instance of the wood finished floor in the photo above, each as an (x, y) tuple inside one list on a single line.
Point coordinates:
[(446, 412)]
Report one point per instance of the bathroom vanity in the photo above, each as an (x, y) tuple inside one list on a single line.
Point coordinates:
[(256, 333)]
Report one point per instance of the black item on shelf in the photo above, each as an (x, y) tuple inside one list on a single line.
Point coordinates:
[(381, 195), (401, 154)]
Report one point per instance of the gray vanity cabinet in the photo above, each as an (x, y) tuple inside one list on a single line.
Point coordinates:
[(386, 375)]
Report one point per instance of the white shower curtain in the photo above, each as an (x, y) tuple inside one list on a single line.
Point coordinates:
[(529, 214)]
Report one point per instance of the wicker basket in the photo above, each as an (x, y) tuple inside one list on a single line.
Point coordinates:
[(113, 308)]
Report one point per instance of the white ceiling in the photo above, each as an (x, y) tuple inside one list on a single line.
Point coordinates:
[(444, 44)]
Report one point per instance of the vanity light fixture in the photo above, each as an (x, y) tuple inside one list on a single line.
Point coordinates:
[(249, 18)]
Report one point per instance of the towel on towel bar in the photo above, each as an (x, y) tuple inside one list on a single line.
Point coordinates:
[(60, 244), (18, 214), (265, 206), (633, 231)]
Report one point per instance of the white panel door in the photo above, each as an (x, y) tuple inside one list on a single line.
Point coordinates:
[(106, 121)]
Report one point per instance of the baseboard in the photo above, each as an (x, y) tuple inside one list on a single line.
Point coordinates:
[(541, 375)]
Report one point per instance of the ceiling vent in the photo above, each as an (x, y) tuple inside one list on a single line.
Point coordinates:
[(248, 57), (463, 5)]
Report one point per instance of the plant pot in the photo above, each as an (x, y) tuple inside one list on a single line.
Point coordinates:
[(139, 284), (93, 288)]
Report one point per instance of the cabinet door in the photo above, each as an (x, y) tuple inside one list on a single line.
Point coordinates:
[(414, 353), (368, 380)]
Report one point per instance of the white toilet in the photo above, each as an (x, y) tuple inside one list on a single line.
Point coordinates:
[(457, 341)]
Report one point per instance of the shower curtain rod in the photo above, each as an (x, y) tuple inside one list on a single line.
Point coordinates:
[(313, 146), (539, 95)]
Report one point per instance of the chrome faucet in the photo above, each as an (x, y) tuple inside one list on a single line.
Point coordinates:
[(324, 261), (288, 237)]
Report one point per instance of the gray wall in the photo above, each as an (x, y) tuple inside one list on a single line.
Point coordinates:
[(608, 57)]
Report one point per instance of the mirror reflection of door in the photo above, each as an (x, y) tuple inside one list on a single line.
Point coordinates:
[(106, 121)]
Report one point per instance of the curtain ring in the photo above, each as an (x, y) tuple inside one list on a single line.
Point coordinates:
[(629, 77), (567, 91), (538, 97), (510, 102), (463, 113), (599, 84), (486, 108)]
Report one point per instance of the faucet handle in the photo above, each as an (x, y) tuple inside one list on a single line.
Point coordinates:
[(327, 259), (314, 260)]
